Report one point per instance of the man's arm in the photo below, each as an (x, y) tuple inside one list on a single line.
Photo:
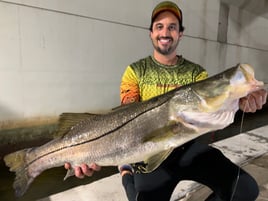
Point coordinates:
[(129, 88)]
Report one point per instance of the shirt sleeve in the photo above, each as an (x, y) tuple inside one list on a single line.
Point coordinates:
[(129, 88)]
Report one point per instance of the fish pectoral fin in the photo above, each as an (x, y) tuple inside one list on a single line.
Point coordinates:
[(162, 133), (70, 173), (153, 162), (68, 120)]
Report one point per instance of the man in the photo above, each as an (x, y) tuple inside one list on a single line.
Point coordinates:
[(155, 75)]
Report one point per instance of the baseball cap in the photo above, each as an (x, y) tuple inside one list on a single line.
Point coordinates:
[(167, 6)]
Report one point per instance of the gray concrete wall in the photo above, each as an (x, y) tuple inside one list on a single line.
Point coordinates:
[(68, 56)]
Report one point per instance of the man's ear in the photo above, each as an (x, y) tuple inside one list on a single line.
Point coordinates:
[(150, 34), (180, 35)]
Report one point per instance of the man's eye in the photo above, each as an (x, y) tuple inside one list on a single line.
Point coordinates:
[(159, 27), (172, 27)]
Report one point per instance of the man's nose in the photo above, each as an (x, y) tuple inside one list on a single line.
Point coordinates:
[(165, 31)]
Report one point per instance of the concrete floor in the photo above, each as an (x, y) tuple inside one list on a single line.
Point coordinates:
[(249, 149)]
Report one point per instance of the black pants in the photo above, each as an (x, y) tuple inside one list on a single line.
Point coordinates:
[(197, 162)]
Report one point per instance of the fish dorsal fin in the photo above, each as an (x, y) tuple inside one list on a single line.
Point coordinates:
[(68, 120), (91, 125), (153, 162)]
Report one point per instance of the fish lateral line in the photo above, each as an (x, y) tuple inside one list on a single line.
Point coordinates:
[(88, 141)]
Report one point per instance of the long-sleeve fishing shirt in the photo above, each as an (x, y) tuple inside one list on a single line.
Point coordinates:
[(148, 78)]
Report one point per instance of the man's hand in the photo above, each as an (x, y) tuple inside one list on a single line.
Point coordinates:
[(253, 101), (83, 170)]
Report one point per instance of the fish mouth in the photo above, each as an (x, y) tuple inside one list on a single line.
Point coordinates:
[(257, 85), (249, 76)]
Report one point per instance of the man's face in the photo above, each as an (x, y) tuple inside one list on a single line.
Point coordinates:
[(165, 34)]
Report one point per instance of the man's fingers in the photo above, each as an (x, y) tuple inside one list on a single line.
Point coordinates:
[(86, 170), (78, 173), (253, 101), (264, 95), (83, 170), (256, 99), (67, 166), (244, 105), (95, 167)]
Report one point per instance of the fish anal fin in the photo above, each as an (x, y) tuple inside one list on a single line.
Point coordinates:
[(70, 172), (68, 120), (153, 162)]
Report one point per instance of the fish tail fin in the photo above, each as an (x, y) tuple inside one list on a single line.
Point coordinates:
[(17, 163)]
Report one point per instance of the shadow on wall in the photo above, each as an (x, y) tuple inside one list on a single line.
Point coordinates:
[(20, 133), (6, 113), (259, 7), (254, 50)]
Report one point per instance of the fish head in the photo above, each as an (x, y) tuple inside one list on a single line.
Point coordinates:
[(227, 87), (211, 104), (243, 81)]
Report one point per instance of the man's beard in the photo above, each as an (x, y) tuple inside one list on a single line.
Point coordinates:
[(165, 51), (168, 50)]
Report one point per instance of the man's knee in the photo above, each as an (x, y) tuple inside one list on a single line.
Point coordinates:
[(246, 188)]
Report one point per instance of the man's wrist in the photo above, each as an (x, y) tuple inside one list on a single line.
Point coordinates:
[(125, 169)]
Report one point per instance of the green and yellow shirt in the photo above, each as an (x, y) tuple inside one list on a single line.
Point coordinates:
[(148, 78)]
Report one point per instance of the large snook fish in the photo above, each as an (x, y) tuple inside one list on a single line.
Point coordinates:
[(146, 131)]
